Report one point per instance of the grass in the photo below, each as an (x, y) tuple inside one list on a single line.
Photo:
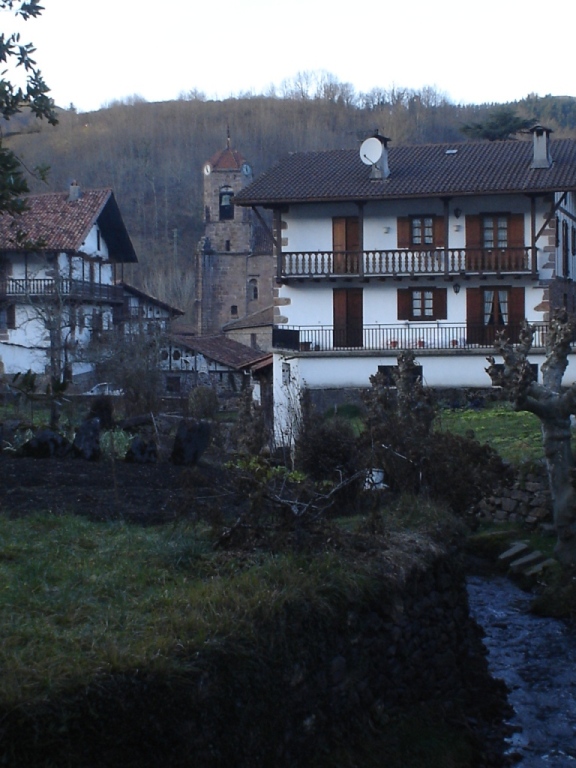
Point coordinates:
[(515, 435), (82, 600)]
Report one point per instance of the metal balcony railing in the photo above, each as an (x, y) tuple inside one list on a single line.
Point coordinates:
[(406, 263), (63, 287), (439, 336)]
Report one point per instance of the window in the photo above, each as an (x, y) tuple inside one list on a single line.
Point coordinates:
[(226, 203), (252, 289), (565, 250), (421, 232), (495, 231), (234, 309), (422, 304), (348, 317), (285, 374), (7, 317), (493, 309)]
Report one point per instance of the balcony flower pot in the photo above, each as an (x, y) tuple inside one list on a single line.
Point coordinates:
[(393, 344), (454, 342)]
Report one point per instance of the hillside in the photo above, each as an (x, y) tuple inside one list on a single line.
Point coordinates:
[(151, 154)]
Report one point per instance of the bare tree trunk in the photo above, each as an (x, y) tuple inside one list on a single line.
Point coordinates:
[(553, 406)]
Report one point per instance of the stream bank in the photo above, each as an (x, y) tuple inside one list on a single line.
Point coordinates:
[(536, 658)]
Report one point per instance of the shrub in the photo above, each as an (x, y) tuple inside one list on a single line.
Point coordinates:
[(203, 403)]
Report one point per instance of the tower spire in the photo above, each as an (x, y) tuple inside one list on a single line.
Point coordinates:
[(228, 136)]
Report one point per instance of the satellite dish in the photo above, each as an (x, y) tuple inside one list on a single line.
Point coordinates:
[(371, 151)]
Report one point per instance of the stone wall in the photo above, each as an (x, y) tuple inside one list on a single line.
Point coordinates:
[(527, 500)]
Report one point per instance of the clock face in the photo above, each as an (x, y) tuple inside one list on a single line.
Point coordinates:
[(207, 169)]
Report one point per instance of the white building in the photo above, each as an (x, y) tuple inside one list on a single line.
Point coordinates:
[(60, 264), (430, 247)]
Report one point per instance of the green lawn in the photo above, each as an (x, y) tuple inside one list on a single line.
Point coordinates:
[(516, 435)]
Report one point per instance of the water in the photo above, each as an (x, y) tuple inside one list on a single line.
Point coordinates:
[(536, 658)]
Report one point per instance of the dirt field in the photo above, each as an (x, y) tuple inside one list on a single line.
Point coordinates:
[(104, 490)]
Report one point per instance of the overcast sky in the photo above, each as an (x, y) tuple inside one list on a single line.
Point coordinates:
[(93, 52)]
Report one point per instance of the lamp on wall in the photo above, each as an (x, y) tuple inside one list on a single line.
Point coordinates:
[(457, 212), (456, 288)]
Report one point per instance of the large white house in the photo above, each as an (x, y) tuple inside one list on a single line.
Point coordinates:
[(61, 262), (428, 247)]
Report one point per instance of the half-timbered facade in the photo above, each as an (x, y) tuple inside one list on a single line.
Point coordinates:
[(430, 247), (61, 263)]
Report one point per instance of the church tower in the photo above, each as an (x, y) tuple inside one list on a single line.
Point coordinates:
[(233, 275)]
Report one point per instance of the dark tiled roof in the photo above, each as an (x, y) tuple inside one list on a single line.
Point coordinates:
[(262, 318), (151, 299), (221, 349), (474, 168), (54, 223)]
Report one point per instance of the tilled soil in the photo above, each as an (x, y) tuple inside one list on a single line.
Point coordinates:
[(101, 490)]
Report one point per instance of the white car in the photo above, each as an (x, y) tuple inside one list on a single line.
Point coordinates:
[(104, 388)]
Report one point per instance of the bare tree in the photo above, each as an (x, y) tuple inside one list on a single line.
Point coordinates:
[(553, 404)]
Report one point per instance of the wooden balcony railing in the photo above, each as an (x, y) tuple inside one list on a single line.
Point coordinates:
[(432, 336), (405, 263), (72, 290)]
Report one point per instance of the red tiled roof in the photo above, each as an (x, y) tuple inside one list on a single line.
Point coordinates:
[(52, 222), (467, 168), (227, 160)]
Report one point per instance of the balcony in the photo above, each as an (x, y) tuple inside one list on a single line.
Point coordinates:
[(391, 338), (447, 262), (70, 290)]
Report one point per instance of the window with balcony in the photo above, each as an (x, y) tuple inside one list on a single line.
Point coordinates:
[(495, 242), (422, 304), (421, 232), (493, 309)]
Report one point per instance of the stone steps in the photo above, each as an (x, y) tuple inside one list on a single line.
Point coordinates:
[(520, 559)]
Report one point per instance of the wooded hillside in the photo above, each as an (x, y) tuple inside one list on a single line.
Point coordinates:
[(152, 154)]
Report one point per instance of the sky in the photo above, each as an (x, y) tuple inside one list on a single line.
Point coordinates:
[(93, 52)]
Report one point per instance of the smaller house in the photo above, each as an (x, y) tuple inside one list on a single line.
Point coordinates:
[(227, 366), (142, 313)]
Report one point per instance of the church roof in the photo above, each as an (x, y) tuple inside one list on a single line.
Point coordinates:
[(227, 159)]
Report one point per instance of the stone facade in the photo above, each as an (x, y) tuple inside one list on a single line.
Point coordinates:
[(234, 263)]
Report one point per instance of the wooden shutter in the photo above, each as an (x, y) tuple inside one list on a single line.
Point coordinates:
[(352, 233), (339, 244), (473, 243), (474, 316), (403, 227), (404, 303), (438, 231), (473, 232), (11, 316), (355, 320), (339, 305), (516, 311), (516, 230), (440, 303)]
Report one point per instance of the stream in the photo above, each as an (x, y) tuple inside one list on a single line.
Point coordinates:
[(536, 658)]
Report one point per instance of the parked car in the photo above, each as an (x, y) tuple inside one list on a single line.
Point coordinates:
[(104, 388)]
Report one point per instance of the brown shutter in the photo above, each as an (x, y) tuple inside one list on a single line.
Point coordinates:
[(339, 304), (473, 231), (404, 240), (474, 316), (355, 317), (352, 233), (440, 303), (517, 312), (516, 230), (438, 231), (339, 233), (11, 316), (404, 303)]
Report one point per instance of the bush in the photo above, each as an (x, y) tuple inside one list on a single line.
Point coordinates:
[(203, 403)]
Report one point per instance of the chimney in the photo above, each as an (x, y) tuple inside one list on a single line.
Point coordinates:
[(542, 157), (74, 193)]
